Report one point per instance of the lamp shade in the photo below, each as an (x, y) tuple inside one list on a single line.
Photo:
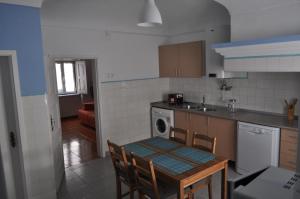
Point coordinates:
[(150, 15)]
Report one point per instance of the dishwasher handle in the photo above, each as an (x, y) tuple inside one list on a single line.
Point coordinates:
[(255, 132)]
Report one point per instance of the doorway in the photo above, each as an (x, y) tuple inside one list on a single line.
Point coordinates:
[(77, 95), (12, 174)]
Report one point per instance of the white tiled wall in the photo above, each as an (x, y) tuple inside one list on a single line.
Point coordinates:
[(261, 91), (125, 108)]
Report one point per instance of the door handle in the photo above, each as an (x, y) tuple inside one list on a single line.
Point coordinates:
[(52, 122), (12, 139)]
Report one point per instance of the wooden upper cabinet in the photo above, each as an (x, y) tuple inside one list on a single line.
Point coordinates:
[(182, 60), (168, 60), (225, 132), (191, 59)]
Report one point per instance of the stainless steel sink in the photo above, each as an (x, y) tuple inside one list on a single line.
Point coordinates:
[(198, 108), (203, 109)]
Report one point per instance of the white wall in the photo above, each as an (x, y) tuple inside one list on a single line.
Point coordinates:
[(126, 108), (262, 19), (261, 91), (120, 57)]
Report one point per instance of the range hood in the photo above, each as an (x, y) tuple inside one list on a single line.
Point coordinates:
[(214, 61), (278, 54)]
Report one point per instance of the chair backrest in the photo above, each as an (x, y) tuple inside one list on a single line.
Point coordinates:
[(145, 176), (178, 135), (209, 143), (119, 159)]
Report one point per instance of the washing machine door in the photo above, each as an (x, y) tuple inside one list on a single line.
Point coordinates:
[(161, 126)]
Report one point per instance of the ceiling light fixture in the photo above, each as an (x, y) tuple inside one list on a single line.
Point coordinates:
[(150, 15)]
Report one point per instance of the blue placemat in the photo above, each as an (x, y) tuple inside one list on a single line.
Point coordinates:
[(138, 150), (171, 164), (161, 143), (195, 155)]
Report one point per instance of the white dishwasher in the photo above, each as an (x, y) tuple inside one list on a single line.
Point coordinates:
[(257, 147)]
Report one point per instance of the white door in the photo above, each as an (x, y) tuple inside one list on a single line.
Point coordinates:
[(53, 105), (10, 146)]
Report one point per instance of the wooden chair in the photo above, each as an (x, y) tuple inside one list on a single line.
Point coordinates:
[(208, 144), (124, 172), (147, 184), (178, 135)]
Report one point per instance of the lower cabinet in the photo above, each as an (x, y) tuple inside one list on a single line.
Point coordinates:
[(191, 122), (225, 132), (288, 149)]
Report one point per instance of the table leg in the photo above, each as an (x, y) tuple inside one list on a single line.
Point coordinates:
[(224, 182), (180, 193)]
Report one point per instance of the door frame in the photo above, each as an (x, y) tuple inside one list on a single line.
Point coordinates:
[(20, 128), (97, 86)]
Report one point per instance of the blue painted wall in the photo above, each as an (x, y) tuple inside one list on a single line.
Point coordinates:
[(20, 30)]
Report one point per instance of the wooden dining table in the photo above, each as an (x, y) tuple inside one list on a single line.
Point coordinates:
[(178, 164)]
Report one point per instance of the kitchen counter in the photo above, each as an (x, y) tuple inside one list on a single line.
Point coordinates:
[(256, 117)]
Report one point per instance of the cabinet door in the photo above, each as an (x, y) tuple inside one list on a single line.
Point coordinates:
[(191, 59), (288, 149), (225, 132), (182, 120), (199, 124), (168, 60)]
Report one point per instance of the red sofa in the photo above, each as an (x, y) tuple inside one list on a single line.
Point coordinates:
[(86, 115)]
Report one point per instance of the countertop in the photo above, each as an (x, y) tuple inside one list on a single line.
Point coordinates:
[(256, 117)]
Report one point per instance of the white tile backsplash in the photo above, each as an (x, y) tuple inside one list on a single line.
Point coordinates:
[(261, 91), (125, 112)]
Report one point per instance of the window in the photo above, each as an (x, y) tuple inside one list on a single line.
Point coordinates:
[(65, 75)]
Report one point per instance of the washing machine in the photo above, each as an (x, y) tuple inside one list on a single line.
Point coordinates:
[(162, 120)]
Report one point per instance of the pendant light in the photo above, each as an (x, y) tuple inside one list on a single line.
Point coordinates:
[(150, 15)]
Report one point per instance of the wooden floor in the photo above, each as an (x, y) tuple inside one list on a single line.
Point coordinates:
[(77, 147)]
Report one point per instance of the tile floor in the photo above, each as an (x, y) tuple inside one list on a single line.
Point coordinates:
[(96, 180), (77, 147)]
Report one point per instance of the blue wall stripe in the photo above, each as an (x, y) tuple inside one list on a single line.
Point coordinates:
[(258, 41), (20, 30)]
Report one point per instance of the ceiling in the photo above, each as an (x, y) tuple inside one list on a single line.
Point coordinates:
[(178, 15)]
